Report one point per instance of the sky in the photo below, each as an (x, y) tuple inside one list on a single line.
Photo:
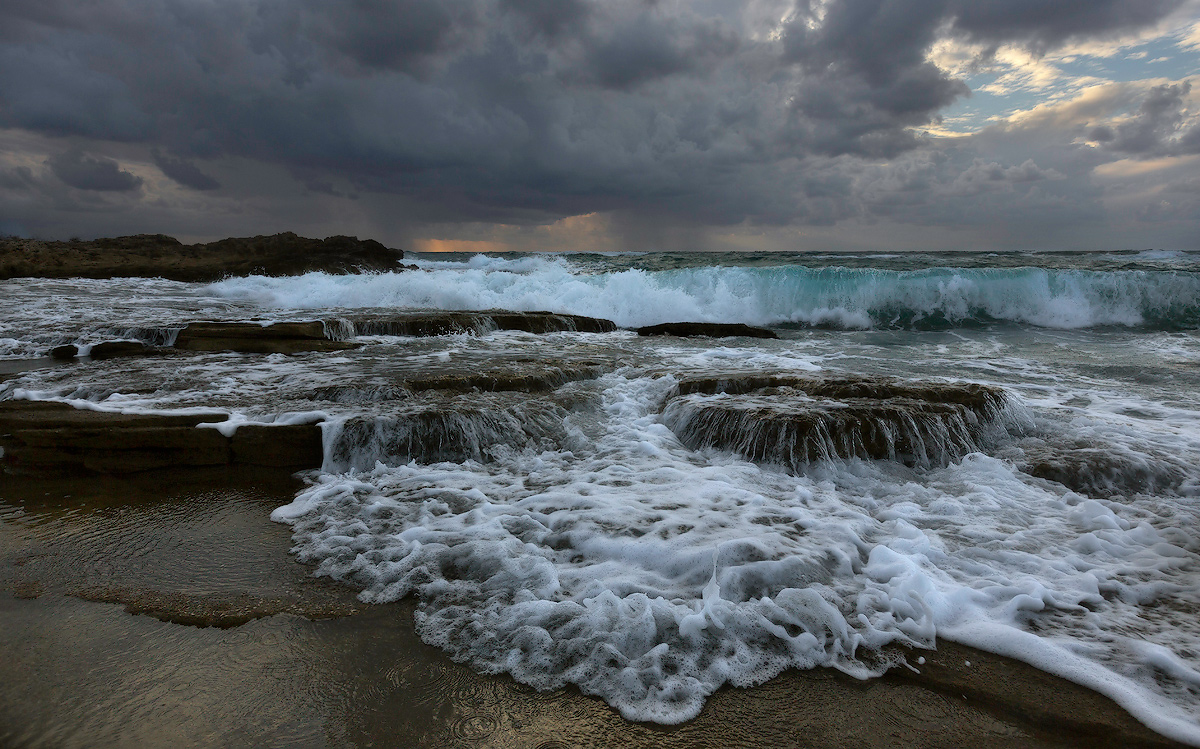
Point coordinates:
[(607, 125)]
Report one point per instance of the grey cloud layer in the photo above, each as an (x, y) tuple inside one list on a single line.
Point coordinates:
[(529, 110)]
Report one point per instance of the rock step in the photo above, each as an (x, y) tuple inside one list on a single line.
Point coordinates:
[(707, 329), (255, 338), (456, 323), (48, 437), (796, 421), (337, 334)]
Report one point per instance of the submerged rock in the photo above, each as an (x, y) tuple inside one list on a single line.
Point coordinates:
[(795, 421), (709, 329), (220, 610), (158, 255), (1100, 471)]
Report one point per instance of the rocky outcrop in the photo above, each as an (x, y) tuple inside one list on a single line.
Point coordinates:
[(161, 256), (454, 428), (1099, 471), (707, 329), (335, 334), (40, 437), (477, 323), (105, 350), (795, 421), (255, 338)]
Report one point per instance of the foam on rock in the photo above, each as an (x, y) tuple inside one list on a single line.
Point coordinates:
[(797, 421)]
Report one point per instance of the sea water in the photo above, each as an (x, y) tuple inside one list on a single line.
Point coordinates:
[(570, 537)]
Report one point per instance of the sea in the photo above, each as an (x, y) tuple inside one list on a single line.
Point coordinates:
[(578, 533)]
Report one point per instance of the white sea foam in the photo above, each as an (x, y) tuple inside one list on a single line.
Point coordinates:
[(650, 575)]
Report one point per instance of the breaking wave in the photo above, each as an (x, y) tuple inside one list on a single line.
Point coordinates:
[(835, 297)]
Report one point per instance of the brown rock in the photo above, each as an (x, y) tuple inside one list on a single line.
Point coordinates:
[(247, 337), (709, 329), (52, 438), (451, 323), (157, 255), (794, 421), (113, 349), (293, 445)]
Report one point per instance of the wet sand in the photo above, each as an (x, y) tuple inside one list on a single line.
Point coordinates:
[(103, 581)]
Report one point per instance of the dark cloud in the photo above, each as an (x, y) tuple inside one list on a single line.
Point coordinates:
[(1157, 128), (86, 172), (183, 171), (1044, 24), (17, 178), (549, 18), (387, 34), (525, 111)]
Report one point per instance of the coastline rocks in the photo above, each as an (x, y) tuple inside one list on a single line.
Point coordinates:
[(708, 329), (477, 323), (105, 350), (1101, 471), (795, 421), (515, 376), (158, 255), (254, 338), (39, 437), (456, 428), (334, 334)]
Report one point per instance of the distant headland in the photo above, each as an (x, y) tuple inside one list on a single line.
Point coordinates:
[(162, 256)]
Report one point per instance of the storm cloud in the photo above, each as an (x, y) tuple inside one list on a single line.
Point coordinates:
[(86, 172), (524, 112)]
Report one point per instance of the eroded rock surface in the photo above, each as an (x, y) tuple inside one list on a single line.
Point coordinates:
[(478, 323), (255, 338), (795, 421), (1101, 470), (40, 437)]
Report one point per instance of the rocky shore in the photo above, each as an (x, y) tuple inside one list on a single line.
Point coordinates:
[(161, 256), (152, 527), (163, 609)]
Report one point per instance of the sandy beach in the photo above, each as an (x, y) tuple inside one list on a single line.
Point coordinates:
[(311, 666)]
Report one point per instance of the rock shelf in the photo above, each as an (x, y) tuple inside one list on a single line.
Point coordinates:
[(708, 329), (795, 421), (40, 437), (335, 334)]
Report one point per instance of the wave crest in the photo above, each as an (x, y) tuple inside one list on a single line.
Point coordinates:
[(838, 297)]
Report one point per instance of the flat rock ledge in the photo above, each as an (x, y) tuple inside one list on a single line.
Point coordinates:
[(796, 421), (51, 438), (706, 329), (161, 256), (335, 334)]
